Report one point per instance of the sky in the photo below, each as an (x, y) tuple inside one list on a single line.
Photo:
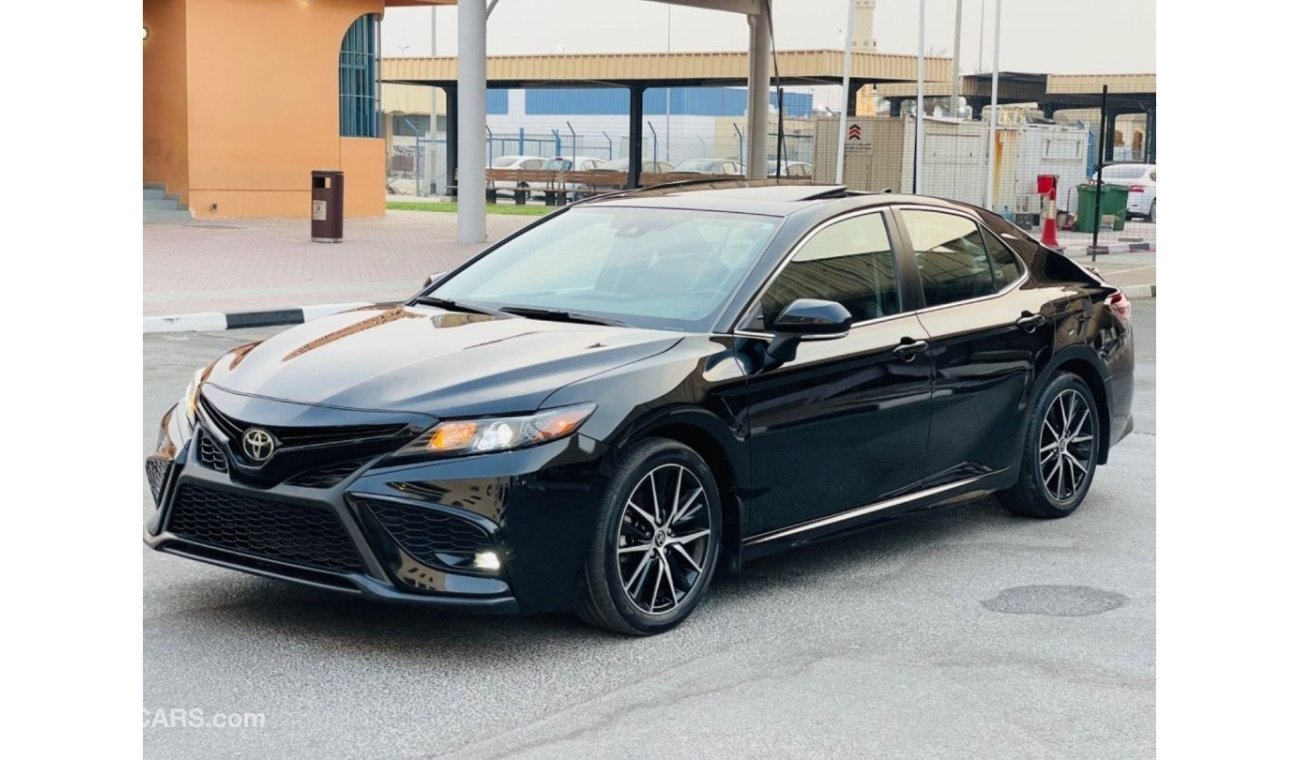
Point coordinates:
[(1040, 36)]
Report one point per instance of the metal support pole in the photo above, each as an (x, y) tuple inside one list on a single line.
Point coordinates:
[(993, 106), (1101, 147), (844, 110), (918, 148), (471, 61), (760, 81), (453, 140), (780, 128), (433, 31), (636, 119), (955, 111)]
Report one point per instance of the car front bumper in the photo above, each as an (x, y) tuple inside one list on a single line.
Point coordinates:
[(404, 533)]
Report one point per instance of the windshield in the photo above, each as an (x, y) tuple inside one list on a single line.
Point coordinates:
[(648, 267), (1134, 171)]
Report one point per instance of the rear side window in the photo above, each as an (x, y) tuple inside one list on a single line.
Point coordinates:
[(850, 262), (1006, 267), (950, 254)]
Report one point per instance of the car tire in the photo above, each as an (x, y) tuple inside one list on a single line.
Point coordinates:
[(1059, 458), (1151, 217), (681, 551)]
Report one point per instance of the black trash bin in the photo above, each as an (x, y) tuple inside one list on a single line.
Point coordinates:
[(326, 206)]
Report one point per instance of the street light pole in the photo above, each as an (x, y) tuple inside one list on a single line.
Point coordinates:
[(918, 147), (993, 106), (844, 109), (956, 61)]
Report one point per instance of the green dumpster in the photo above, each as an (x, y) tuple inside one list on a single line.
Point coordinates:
[(1114, 202)]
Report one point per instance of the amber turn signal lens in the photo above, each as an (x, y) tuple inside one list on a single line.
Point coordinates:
[(561, 424), (453, 436)]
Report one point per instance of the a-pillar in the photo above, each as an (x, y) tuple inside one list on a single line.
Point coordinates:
[(760, 81), (635, 124), (471, 117)]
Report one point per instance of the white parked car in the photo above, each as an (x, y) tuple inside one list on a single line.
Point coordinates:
[(711, 166), (570, 164), (514, 162), (792, 169), (1141, 181)]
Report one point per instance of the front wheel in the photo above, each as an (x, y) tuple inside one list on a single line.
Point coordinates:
[(1060, 453), (656, 541)]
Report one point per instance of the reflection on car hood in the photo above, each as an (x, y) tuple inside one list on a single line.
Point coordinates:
[(422, 359)]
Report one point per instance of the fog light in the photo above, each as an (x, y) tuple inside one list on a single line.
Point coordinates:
[(487, 561)]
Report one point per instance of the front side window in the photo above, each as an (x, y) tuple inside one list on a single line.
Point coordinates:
[(648, 267), (359, 79), (950, 255), (849, 262)]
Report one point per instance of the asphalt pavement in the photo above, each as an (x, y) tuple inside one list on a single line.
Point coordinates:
[(962, 633)]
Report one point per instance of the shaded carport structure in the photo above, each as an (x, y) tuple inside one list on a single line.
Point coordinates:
[(466, 77), (1127, 94), (638, 72)]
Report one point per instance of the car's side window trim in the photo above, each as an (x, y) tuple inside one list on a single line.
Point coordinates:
[(984, 229), (745, 314)]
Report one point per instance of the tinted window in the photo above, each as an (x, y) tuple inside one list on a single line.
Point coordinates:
[(1006, 267), (850, 262), (950, 255)]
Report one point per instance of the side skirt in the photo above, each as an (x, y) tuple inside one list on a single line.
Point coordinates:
[(967, 489)]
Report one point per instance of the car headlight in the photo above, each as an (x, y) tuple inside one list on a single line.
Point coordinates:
[(190, 401), (451, 437)]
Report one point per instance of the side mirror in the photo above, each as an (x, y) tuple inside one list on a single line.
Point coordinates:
[(432, 279), (807, 319)]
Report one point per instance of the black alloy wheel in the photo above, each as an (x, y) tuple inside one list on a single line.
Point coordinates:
[(1061, 449), (657, 541)]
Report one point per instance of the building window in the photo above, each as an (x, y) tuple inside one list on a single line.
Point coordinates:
[(359, 79)]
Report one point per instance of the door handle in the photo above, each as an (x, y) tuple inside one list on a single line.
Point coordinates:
[(1030, 322), (909, 349)]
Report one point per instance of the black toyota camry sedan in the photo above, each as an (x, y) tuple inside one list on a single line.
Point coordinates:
[(606, 409)]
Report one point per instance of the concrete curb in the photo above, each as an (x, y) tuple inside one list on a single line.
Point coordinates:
[(1139, 291), (239, 319), (1086, 250)]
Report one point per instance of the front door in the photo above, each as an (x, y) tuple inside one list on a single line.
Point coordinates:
[(844, 423)]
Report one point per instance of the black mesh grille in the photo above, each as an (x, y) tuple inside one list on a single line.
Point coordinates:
[(210, 454), (328, 476), (276, 530), (432, 537), (155, 469)]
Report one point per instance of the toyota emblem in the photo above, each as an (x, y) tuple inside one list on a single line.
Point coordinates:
[(259, 445)]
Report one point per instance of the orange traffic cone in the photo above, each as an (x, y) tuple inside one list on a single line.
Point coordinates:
[(1049, 224)]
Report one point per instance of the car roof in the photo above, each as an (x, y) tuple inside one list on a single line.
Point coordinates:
[(765, 197)]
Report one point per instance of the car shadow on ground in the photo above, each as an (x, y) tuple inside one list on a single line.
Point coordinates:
[(248, 604)]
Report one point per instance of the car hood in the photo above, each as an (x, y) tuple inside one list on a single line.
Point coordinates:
[(429, 361)]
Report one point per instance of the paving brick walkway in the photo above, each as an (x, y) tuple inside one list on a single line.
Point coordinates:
[(245, 265), (250, 264)]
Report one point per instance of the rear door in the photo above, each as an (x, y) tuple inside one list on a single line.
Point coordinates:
[(991, 332), (845, 423)]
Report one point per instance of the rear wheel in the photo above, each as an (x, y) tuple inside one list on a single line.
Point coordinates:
[(1060, 454), (1152, 216), (656, 543)]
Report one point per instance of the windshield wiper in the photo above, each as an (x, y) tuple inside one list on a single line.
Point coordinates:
[(450, 305), (560, 315)]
